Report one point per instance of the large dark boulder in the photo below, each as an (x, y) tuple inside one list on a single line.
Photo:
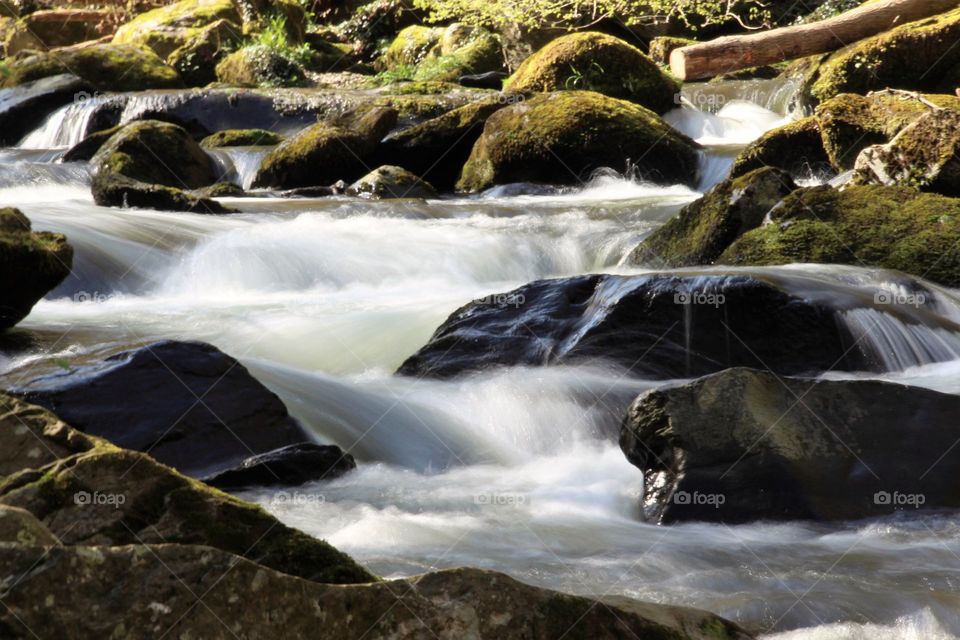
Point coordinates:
[(31, 264), (187, 404), (654, 326), (292, 465), (746, 445), (25, 107)]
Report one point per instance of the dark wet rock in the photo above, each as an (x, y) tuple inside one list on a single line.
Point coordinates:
[(187, 404), (24, 108), (437, 149), (292, 465), (106, 67), (598, 62), (88, 492), (388, 182), (923, 155), (488, 80), (327, 152), (705, 228), (563, 137), (155, 165), (654, 326), (131, 588), (88, 147), (31, 264), (890, 227), (746, 445)]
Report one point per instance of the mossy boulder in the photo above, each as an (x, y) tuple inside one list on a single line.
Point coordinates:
[(437, 149), (463, 51), (922, 155), (47, 29), (796, 148), (891, 227), (259, 66), (597, 62), (31, 264), (389, 182), (662, 46), (563, 137), (411, 46), (168, 28), (326, 152), (196, 60), (88, 147), (153, 164), (849, 123), (705, 228), (107, 67), (87, 491), (917, 55), (241, 138)]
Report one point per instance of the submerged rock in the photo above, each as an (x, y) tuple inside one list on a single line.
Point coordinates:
[(705, 228), (745, 445), (391, 182), (923, 155), (135, 582), (88, 492), (106, 67), (187, 404), (654, 326), (594, 61), (24, 108), (31, 264), (562, 137), (327, 152), (890, 227), (155, 165), (292, 465)]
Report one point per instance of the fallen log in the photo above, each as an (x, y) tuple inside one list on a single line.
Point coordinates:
[(723, 55)]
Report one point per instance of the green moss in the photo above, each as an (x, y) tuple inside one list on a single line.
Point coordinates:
[(796, 148), (891, 227), (662, 46), (562, 137), (913, 56), (168, 28), (597, 62), (241, 138), (705, 228), (849, 123), (106, 67), (410, 47), (259, 66), (476, 53)]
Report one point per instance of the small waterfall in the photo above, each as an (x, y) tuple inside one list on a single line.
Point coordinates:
[(64, 127), (238, 165)]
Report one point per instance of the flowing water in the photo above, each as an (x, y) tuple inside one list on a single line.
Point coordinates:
[(518, 469)]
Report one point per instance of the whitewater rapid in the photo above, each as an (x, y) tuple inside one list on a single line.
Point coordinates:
[(518, 469)]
